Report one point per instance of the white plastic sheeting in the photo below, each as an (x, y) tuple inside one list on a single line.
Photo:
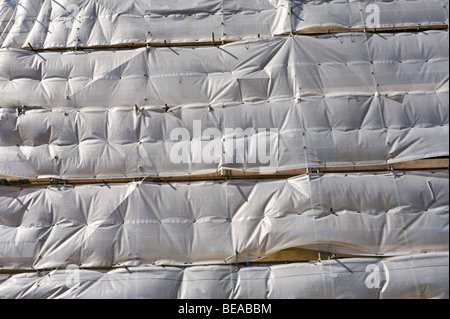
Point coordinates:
[(91, 23), (222, 222), (417, 276), (359, 99), (95, 142), (261, 70)]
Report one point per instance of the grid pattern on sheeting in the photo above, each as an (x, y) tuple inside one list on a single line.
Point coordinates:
[(345, 279), (93, 23), (222, 222), (63, 113)]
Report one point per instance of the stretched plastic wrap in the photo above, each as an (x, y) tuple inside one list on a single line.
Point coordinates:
[(261, 70), (222, 222), (268, 105), (417, 276), (93, 23), (100, 90)]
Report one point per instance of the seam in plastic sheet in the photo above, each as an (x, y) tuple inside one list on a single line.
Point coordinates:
[(445, 9)]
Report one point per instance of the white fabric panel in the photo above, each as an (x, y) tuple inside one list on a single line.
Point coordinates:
[(418, 276), (222, 222), (75, 105), (91, 23)]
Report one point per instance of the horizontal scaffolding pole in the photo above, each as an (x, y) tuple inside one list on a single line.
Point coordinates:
[(416, 165), (216, 42)]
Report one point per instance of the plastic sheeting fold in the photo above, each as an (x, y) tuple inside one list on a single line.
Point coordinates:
[(222, 222), (413, 277), (360, 99), (93, 23)]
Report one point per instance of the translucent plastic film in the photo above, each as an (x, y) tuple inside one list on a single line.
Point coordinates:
[(263, 106), (222, 222), (408, 277), (47, 24)]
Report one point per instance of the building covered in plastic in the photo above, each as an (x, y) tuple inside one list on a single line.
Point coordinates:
[(263, 149)]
